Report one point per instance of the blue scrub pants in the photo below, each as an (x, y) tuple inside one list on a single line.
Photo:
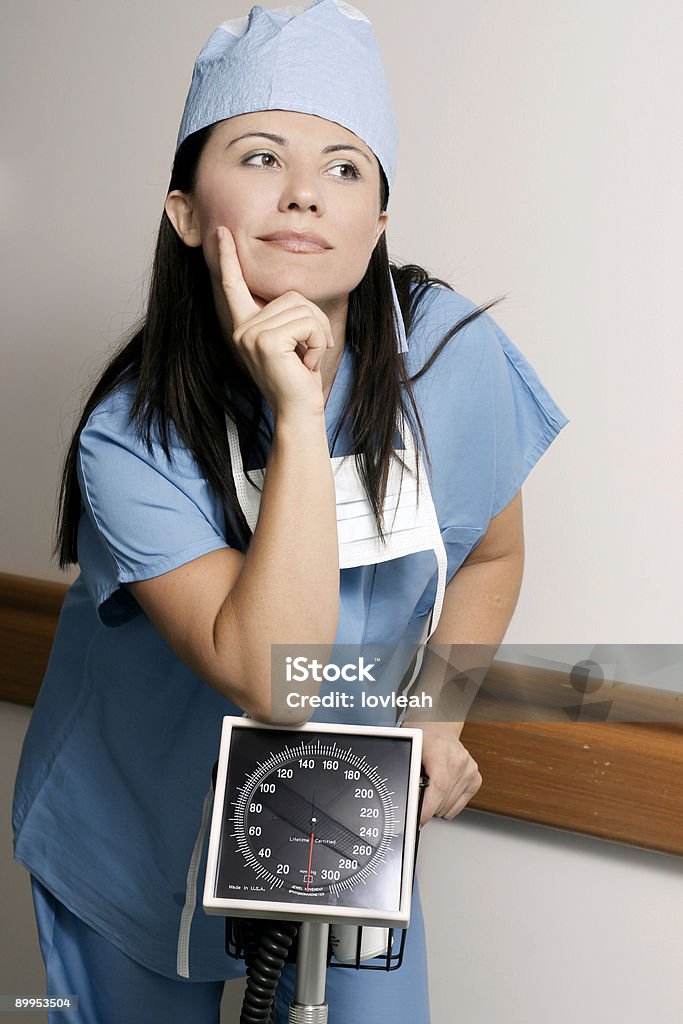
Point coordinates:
[(112, 988)]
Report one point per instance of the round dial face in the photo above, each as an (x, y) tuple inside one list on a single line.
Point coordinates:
[(314, 818)]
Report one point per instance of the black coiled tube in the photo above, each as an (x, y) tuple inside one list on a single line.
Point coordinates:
[(264, 970)]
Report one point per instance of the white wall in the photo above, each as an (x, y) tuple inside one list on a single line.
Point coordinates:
[(541, 156)]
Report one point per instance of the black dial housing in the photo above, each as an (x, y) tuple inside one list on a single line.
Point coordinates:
[(313, 818)]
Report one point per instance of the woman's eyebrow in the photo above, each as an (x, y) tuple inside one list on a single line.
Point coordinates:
[(282, 141)]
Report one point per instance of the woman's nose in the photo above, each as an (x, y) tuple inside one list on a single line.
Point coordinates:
[(302, 190)]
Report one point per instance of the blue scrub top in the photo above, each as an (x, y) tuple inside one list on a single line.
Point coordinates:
[(123, 738)]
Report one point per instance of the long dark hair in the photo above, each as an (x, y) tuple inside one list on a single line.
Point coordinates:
[(184, 370)]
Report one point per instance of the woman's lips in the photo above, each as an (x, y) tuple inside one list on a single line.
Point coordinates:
[(295, 245)]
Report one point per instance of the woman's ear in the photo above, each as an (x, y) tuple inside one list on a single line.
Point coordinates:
[(381, 225), (180, 212)]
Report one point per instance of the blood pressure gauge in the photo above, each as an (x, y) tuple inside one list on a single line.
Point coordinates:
[(317, 822)]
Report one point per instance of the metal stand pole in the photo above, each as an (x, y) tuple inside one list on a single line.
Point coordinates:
[(309, 1006)]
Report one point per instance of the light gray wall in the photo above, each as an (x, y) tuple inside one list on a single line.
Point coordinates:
[(540, 156)]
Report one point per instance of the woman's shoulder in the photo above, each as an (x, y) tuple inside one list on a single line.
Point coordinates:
[(113, 411), (113, 433), (436, 300), (480, 367), (118, 402), (114, 416), (437, 311)]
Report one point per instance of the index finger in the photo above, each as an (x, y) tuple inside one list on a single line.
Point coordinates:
[(241, 302)]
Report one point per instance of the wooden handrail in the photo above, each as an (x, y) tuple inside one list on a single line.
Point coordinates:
[(614, 780)]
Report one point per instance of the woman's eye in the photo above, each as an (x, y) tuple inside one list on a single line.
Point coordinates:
[(254, 155), (346, 165), (353, 168)]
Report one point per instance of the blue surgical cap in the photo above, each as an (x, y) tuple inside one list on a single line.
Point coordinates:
[(322, 59)]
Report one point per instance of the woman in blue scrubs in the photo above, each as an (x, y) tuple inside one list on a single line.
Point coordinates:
[(277, 337)]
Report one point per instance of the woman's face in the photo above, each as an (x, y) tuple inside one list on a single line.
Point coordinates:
[(256, 186)]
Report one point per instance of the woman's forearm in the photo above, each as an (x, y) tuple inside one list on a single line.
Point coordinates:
[(288, 589), (478, 606), (480, 601)]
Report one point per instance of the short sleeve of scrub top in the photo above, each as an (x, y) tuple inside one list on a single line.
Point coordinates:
[(524, 419), (488, 419), (143, 513)]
